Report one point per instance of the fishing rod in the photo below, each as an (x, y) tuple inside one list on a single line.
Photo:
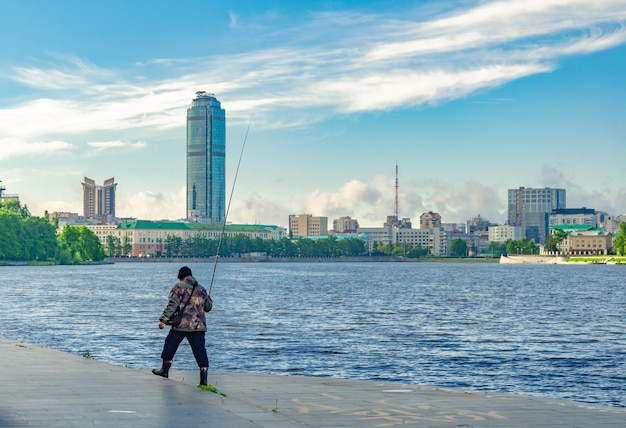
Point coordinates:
[(232, 190)]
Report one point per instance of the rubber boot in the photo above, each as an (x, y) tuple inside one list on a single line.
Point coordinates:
[(164, 370), (204, 372)]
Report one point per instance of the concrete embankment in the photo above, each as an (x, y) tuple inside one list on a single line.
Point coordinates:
[(256, 259), (532, 260), (43, 387)]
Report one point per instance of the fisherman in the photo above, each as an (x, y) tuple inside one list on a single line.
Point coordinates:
[(192, 323)]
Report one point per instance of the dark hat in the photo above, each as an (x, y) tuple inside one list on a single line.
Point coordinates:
[(184, 272)]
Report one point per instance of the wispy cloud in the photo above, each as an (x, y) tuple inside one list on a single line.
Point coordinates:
[(297, 73), (107, 145), (377, 62), (13, 148), (234, 19)]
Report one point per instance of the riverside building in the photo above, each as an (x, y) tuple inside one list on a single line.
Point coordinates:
[(146, 238), (206, 160)]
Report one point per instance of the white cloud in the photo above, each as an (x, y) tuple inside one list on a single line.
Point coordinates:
[(371, 202), (375, 63), (106, 145), (153, 206), (11, 147), (258, 210), (406, 88), (234, 19), (382, 63)]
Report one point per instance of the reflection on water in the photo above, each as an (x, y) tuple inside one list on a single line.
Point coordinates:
[(556, 331)]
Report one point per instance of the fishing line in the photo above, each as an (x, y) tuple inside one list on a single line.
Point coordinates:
[(232, 190)]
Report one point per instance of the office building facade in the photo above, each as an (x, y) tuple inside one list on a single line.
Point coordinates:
[(574, 216), (99, 201), (530, 209), (504, 233), (206, 160), (303, 225)]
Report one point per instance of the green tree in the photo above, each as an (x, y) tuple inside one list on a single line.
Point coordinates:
[(11, 233), (42, 242), (619, 242), (417, 252), (284, 247), (306, 247), (381, 248), (113, 245), (401, 249), (173, 245), (23, 237), (553, 241), (521, 247), (81, 243), (14, 206), (496, 249), (64, 256), (127, 247), (351, 247), (458, 247), (92, 247), (242, 244)]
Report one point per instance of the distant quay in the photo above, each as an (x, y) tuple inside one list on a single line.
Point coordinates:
[(558, 260), (13, 263), (256, 259)]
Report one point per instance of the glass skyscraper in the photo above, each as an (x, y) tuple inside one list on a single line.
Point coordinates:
[(206, 159)]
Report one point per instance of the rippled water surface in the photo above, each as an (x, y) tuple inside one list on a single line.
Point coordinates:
[(555, 331)]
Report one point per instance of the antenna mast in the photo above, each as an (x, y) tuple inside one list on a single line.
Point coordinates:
[(396, 204)]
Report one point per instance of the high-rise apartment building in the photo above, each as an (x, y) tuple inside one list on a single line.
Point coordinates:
[(99, 200), (430, 220), (206, 159), (530, 209), (345, 225)]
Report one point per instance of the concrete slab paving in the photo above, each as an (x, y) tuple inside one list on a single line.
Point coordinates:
[(43, 387)]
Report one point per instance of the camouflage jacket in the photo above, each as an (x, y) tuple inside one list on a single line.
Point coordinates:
[(194, 318)]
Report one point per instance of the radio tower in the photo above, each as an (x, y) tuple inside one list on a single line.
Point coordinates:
[(396, 204)]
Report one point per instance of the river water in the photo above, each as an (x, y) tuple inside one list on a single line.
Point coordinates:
[(554, 331)]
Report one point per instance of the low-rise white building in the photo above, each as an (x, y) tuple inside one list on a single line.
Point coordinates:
[(505, 232), (587, 243), (573, 217)]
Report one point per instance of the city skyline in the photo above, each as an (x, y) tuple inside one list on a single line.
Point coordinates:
[(470, 99)]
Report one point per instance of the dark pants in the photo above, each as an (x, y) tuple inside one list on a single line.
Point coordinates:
[(195, 339)]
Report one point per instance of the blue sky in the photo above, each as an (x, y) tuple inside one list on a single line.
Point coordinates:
[(470, 98)]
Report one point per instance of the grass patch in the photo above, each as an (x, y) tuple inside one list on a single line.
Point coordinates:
[(212, 389), (599, 259)]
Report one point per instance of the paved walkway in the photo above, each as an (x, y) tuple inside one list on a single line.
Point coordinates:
[(43, 387)]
